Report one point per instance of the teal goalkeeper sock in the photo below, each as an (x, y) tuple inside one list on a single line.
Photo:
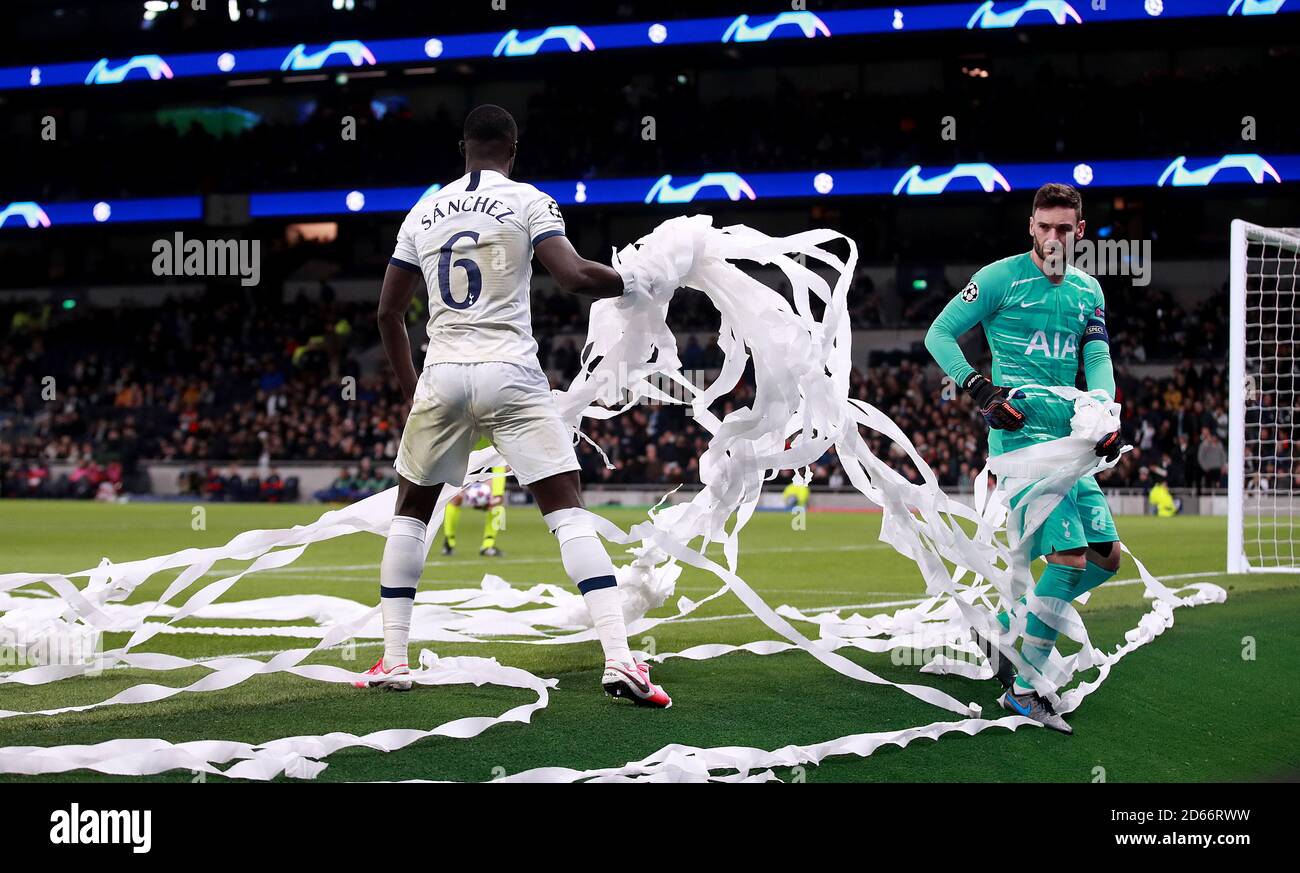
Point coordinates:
[(1057, 581), (1004, 618), (1093, 575)]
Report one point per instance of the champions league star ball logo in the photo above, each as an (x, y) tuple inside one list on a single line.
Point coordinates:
[(970, 293)]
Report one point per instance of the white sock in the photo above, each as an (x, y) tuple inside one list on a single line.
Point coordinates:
[(606, 608), (399, 576), (589, 566)]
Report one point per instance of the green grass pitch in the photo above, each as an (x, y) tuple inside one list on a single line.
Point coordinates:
[(1187, 707)]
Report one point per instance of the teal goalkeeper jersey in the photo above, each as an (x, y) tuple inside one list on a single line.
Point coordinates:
[(1037, 332)]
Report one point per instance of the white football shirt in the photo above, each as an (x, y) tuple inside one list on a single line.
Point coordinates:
[(473, 242)]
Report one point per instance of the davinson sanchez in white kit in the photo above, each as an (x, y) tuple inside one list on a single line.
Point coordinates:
[(472, 244)]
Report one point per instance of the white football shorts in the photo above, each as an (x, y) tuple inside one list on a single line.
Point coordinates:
[(510, 404)]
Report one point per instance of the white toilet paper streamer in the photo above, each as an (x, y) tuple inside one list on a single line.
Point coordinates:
[(801, 367)]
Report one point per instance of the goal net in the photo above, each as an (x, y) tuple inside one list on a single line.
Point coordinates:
[(1263, 479)]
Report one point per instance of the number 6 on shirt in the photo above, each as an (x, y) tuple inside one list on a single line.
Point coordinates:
[(473, 276)]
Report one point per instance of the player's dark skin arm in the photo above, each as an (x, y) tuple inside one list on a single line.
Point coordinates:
[(414, 501), (574, 273), (394, 299)]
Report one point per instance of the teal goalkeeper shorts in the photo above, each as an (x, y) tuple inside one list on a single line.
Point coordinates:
[(1080, 518)]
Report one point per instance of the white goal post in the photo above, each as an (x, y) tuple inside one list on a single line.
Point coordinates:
[(1264, 390)]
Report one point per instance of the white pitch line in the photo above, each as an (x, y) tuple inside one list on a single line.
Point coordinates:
[(426, 585), (268, 652), (373, 579), (334, 568), (884, 604), (1138, 580)]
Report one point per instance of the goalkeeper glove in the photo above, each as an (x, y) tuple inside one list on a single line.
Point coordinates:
[(1110, 446), (993, 402)]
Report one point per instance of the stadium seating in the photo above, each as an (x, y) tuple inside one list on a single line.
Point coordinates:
[(187, 395)]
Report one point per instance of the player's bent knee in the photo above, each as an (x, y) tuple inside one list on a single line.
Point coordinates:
[(557, 493), (1106, 555), (416, 501), (1072, 558), (581, 551), (566, 530)]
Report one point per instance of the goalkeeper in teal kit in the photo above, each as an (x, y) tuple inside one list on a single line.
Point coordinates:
[(1041, 317)]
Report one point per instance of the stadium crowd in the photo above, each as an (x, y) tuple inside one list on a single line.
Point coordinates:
[(231, 388)]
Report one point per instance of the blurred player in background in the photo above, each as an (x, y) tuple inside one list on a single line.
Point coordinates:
[(1041, 316), (473, 243), (489, 497), (1161, 499)]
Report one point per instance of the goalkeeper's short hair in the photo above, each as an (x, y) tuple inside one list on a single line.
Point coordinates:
[(1057, 194)]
